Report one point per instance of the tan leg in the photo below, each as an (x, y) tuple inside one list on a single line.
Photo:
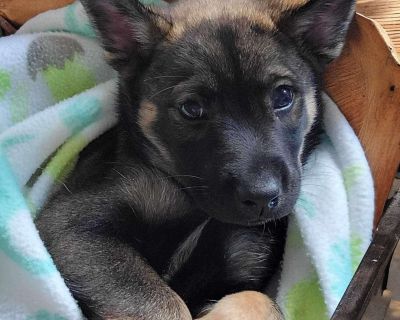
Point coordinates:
[(178, 311), (245, 305)]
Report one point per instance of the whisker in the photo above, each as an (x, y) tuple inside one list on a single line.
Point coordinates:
[(182, 175), (194, 187), (157, 93), (160, 77), (119, 173), (313, 185), (310, 193), (65, 186)]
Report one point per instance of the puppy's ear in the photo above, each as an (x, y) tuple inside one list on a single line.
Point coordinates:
[(320, 26), (128, 29)]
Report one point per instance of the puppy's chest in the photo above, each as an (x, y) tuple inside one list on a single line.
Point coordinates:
[(249, 256), (238, 254)]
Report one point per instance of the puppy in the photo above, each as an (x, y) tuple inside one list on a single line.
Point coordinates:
[(184, 202)]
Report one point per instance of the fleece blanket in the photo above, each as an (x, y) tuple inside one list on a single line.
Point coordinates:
[(56, 96)]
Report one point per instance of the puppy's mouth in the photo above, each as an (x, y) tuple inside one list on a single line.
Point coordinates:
[(227, 209), (234, 215), (258, 221), (268, 219)]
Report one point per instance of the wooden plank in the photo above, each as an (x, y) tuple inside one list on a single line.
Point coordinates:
[(369, 275), (19, 11), (387, 13), (365, 83)]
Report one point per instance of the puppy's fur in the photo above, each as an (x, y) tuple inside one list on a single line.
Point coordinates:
[(164, 214)]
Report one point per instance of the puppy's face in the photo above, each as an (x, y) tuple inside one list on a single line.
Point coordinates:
[(222, 95), (230, 103)]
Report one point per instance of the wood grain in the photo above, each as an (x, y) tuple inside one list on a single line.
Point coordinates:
[(365, 83), (387, 13)]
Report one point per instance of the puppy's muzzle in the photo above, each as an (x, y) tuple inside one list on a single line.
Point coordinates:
[(260, 196)]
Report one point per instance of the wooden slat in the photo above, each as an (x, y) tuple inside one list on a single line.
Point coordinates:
[(19, 11), (367, 280), (387, 13), (365, 83)]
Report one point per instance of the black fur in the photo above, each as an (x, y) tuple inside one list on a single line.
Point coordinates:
[(154, 209)]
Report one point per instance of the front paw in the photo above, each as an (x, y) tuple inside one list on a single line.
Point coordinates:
[(245, 305)]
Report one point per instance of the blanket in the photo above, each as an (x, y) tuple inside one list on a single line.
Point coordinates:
[(57, 95)]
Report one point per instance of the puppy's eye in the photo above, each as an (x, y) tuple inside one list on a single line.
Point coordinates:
[(282, 98), (191, 110)]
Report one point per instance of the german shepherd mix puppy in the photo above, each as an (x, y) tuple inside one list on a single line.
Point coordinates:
[(183, 203)]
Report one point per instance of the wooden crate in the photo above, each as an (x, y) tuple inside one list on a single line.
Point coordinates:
[(365, 82)]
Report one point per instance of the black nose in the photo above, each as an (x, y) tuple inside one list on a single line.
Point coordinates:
[(260, 194)]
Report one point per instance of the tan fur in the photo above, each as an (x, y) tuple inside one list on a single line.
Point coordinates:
[(245, 305), (187, 13), (311, 107), (184, 313), (146, 116), (179, 311), (283, 5)]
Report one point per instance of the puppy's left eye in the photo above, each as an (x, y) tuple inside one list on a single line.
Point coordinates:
[(282, 97), (192, 110)]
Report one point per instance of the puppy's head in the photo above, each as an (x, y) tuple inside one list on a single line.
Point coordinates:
[(223, 94)]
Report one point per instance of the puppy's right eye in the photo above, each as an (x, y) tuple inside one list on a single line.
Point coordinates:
[(192, 110), (282, 98)]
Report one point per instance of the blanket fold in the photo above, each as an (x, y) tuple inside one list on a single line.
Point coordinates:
[(57, 95)]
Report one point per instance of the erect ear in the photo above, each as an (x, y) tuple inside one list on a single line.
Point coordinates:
[(320, 26), (127, 28)]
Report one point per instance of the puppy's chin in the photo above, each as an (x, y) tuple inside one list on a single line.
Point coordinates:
[(249, 222), (231, 214)]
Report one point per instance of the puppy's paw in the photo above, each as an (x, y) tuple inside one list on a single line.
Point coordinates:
[(245, 305)]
